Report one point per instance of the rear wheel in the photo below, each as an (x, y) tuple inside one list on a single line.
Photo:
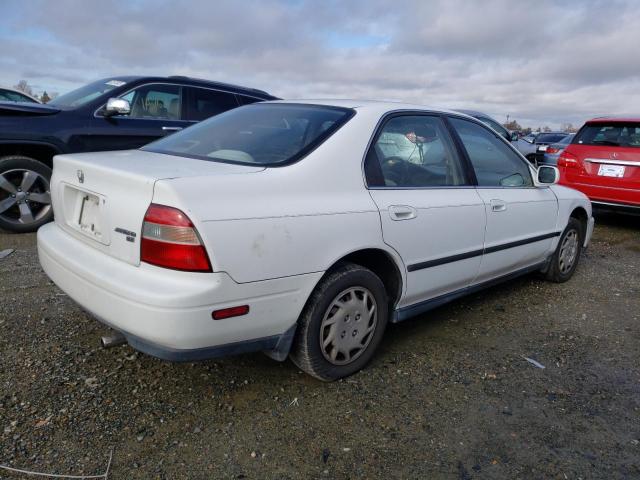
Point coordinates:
[(342, 324), (567, 254), (25, 197)]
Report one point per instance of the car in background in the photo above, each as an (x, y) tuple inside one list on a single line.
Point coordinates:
[(296, 229), (116, 113), (603, 162), (548, 154), (529, 145), (12, 95)]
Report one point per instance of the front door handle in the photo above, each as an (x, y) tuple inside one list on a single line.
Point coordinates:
[(498, 205), (402, 212), (171, 129)]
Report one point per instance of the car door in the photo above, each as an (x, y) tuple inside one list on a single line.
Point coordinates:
[(521, 218), (430, 212), (156, 111)]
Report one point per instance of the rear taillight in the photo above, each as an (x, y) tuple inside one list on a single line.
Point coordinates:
[(567, 160), (552, 150), (170, 240)]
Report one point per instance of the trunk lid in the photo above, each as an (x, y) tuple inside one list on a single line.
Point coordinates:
[(101, 198)]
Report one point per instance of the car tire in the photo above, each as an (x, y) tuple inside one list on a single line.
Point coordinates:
[(565, 259), (333, 341), (19, 212)]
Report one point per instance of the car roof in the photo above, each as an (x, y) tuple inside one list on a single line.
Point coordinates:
[(196, 82), (379, 106), (613, 118)]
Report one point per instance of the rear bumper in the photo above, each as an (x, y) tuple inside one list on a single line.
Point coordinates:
[(167, 313), (589, 232)]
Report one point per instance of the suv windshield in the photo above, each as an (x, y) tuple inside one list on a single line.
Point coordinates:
[(614, 134), (83, 95), (267, 134)]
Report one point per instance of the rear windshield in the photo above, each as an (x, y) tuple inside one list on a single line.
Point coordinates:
[(268, 134), (616, 134), (550, 137)]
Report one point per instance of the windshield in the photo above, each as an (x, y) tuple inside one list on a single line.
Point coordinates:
[(84, 95), (550, 137), (613, 134), (267, 134)]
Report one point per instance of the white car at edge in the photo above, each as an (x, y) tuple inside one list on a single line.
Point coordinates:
[(302, 229)]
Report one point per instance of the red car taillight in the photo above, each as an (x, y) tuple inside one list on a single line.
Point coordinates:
[(567, 160), (170, 240), (552, 150)]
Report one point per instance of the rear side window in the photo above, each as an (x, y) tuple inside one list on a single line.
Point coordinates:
[(616, 134), (495, 163), (268, 134), (413, 151), (204, 103)]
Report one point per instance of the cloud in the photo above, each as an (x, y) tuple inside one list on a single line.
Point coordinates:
[(542, 62)]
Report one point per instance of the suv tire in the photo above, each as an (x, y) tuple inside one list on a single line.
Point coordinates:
[(25, 197)]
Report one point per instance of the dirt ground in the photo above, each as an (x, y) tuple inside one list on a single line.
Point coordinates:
[(450, 394)]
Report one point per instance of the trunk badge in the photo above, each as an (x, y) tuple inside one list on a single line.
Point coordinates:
[(80, 176), (614, 155)]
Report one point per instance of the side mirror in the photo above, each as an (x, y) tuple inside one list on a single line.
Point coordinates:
[(548, 175), (117, 106), (514, 136)]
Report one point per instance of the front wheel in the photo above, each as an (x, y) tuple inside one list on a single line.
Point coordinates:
[(25, 197), (342, 324), (565, 259)]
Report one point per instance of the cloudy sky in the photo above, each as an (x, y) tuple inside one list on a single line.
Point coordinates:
[(540, 62)]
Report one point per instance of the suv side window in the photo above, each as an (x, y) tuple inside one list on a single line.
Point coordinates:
[(156, 102), (204, 103), (413, 151), (495, 163)]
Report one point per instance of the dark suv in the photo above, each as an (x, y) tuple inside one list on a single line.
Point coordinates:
[(116, 113)]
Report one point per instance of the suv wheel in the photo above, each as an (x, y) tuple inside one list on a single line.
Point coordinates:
[(565, 259), (342, 324), (25, 197)]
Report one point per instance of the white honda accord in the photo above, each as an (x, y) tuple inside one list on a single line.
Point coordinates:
[(301, 229)]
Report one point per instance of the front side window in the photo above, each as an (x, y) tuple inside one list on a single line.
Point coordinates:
[(495, 163), (268, 134), (162, 102), (413, 151), (615, 134), (204, 103)]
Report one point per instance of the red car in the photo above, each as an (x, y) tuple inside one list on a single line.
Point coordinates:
[(603, 162)]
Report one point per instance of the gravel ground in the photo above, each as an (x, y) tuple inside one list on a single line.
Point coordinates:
[(449, 395)]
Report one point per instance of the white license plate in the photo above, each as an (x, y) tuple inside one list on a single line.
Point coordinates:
[(616, 171), (89, 217)]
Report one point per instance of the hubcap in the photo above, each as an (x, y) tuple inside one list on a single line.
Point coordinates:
[(348, 325), (568, 251), (25, 197)]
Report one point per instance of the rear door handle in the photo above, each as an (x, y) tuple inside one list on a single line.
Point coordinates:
[(498, 205), (171, 129), (402, 212)]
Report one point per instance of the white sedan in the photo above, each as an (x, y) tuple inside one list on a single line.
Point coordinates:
[(302, 229)]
